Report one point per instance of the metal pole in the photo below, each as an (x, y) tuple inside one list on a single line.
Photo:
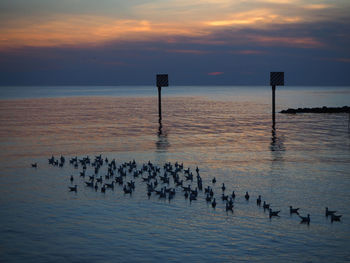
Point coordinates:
[(160, 103), (273, 107)]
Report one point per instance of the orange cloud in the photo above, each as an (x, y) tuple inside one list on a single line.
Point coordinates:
[(318, 6), (87, 30), (304, 42), (258, 18)]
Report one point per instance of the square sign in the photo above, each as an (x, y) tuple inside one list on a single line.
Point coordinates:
[(162, 80), (277, 78)]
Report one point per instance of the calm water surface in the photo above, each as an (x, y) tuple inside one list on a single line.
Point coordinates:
[(226, 131)]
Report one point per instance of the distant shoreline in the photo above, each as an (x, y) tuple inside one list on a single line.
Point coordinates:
[(324, 109)]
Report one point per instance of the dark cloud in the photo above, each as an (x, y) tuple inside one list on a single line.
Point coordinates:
[(246, 57)]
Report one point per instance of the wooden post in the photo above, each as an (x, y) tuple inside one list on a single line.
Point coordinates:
[(162, 81), (276, 79), (273, 106), (160, 103)]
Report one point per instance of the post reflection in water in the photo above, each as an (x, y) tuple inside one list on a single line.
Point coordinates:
[(276, 146), (162, 142)]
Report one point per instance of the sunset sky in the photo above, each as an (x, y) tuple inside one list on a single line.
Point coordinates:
[(197, 42)]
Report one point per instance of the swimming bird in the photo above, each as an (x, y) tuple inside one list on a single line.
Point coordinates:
[(233, 195), (229, 206), (224, 197), (230, 202), (213, 204), (208, 198), (223, 187), (89, 184), (103, 189), (186, 194), (214, 180), (246, 196), (293, 210), (207, 189), (34, 165), (305, 219), (99, 180), (192, 197), (110, 185), (266, 206), (258, 201), (329, 212), (127, 190), (335, 217), (273, 213), (73, 189), (71, 178), (96, 187)]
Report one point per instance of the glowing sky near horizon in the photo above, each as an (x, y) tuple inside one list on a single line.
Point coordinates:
[(198, 27)]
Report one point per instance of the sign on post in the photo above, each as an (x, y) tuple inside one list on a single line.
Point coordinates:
[(162, 80), (277, 78)]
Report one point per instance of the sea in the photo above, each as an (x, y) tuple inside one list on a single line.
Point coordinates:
[(225, 131)]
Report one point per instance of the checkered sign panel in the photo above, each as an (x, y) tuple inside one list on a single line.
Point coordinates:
[(162, 80), (277, 78)]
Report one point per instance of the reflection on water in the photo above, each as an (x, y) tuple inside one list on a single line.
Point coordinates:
[(162, 142), (276, 142)]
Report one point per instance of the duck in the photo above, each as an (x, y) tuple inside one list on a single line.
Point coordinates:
[(192, 197), (188, 188), (208, 198), (258, 200), (127, 190), (71, 178), (213, 204), (293, 210), (233, 195), (224, 197), (214, 180), (96, 187), (103, 189), (335, 217), (329, 212), (89, 184), (99, 180), (211, 192), (186, 194), (73, 189), (246, 196), (266, 206), (34, 165), (273, 213), (110, 185), (207, 190), (230, 202), (223, 187), (305, 219), (229, 207)]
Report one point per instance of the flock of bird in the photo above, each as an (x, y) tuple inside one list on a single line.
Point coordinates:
[(158, 184)]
